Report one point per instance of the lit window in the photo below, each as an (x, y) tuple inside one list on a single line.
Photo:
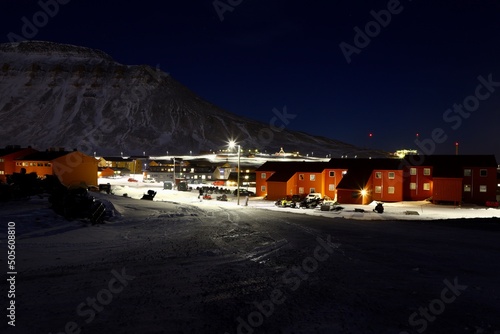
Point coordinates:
[(331, 187), (301, 190), (301, 177), (482, 189), (483, 172), (413, 171), (467, 172), (390, 190), (426, 186), (467, 188), (263, 188), (413, 186), (427, 171), (312, 177), (2, 172), (331, 173), (391, 175), (263, 175), (378, 189)]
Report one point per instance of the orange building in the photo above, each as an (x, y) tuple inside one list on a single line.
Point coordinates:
[(444, 178), (71, 167), (8, 155)]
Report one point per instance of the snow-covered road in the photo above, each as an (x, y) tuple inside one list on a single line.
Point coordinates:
[(186, 266)]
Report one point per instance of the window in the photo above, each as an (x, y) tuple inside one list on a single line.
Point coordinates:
[(413, 171), (331, 173), (378, 175), (355, 194), (2, 172), (312, 190), (312, 177), (1, 160), (482, 189), (301, 190), (426, 186), (378, 189), (331, 187), (467, 172), (413, 186), (467, 188), (391, 175), (263, 188), (301, 177), (390, 190), (483, 172), (427, 171), (262, 175)]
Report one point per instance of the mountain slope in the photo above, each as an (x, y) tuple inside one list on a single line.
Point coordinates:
[(54, 95)]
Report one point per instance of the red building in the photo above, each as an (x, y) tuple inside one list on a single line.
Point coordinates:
[(442, 178), (8, 155)]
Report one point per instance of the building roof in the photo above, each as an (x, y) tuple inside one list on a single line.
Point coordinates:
[(12, 149), (452, 165), (118, 159), (355, 178), (44, 156)]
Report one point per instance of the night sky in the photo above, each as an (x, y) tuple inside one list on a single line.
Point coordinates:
[(417, 64)]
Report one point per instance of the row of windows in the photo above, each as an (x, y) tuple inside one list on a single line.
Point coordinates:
[(390, 175), (390, 190), (413, 171), (34, 164), (482, 172), (468, 188)]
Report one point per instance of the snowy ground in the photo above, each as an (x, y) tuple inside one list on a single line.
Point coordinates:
[(416, 210), (178, 265)]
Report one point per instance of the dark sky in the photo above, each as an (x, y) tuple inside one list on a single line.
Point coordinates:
[(270, 54)]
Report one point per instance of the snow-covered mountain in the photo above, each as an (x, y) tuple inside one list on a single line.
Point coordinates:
[(55, 95)]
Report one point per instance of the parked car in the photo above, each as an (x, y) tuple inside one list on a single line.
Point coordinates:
[(314, 196), (149, 181), (243, 192), (131, 179)]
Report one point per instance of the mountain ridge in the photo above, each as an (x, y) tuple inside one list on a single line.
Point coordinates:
[(59, 95)]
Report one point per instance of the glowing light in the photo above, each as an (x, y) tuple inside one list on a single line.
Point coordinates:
[(363, 192)]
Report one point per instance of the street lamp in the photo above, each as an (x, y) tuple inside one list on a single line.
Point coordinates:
[(173, 186), (232, 144)]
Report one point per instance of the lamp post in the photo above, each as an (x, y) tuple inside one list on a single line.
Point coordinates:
[(232, 144), (173, 186)]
